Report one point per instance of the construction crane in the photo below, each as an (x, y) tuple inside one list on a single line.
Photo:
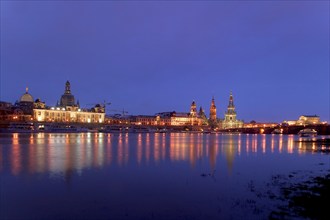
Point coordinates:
[(121, 111), (101, 104)]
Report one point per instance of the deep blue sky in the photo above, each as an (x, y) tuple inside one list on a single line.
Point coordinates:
[(149, 57)]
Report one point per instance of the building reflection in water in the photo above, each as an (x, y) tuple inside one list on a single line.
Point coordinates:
[(311, 147), (66, 153), (263, 143), (213, 151), (280, 143), (247, 148), (239, 148), (108, 149), (147, 147), (15, 156), (120, 150), (290, 143), (157, 146), (229, 147)]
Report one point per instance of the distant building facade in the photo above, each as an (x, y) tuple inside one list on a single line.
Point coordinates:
[(305, 120), (68, 110), (178, 119), (63, 115), (308, 120), (192, 118), (22, 110)]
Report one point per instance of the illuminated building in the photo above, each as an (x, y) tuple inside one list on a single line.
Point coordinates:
[(26, 103), (174, 118), (39, 104), (306, 120), (193, 114), (144, 120), (181, 119), (62, 115), (213, 112), (230, 120), (193, 109), (165, 118), (68, 111)]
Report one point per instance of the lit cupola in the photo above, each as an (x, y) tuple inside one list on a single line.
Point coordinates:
[(26, 97)]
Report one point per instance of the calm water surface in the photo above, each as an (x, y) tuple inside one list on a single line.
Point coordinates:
[(145, 176)]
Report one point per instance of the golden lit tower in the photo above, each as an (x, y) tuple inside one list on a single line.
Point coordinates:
[(193, 109), (213, 111), (230, 120), (231, 113)]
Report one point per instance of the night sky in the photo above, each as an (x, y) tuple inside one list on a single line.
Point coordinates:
[(149, 57)]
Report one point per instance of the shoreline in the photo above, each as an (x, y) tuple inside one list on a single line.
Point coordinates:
[(306, 199)]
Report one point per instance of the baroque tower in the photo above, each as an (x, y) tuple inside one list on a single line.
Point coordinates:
[(231, 113), (193, 109), (230, 120), (67, 99), (213, 111)]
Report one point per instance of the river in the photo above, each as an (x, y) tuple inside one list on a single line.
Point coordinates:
[(147, 176)]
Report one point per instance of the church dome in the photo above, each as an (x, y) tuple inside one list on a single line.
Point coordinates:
[(26, 97), (67, 99)]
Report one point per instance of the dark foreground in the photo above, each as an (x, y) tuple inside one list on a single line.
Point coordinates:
[(309, 199)]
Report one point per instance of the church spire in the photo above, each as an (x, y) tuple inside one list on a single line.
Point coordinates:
[(231, 100), (230, 120), (231, 106), (67, 87)]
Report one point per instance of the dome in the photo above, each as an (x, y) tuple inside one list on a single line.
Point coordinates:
[(67, 99), (26, 97)]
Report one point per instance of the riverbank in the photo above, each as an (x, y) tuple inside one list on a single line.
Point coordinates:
[(308, 199), (305, 195)]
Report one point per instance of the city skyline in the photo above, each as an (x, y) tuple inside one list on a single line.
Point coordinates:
[(147, 57)]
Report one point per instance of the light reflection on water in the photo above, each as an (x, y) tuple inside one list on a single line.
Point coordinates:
[(150, 163), (42, 152)]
